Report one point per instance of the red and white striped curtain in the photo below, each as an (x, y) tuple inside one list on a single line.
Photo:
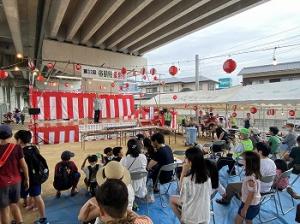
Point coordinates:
[(63, 105)]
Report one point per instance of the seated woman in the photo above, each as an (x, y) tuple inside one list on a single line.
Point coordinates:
[(195, 191), (135, 161)]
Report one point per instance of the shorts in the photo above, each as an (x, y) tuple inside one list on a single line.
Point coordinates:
[(252, 212), (9, 195), (33, 191)]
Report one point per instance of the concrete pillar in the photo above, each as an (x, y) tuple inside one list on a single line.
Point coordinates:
[(13, 102), (2, 96)]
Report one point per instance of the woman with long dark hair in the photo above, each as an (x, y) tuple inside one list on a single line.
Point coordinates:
[(195, 191), (249, 208), (135, 161)]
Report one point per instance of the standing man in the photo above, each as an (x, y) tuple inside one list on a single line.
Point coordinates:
[(247, 121), (97, 108), (11, 162)]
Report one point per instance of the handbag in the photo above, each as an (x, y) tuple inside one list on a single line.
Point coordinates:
[(6, 154)]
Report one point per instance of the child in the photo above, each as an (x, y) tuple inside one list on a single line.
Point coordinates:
[(118, 154), (108, 151), (250, 189), (91, 173), (282, 183), (32, 156), (274, 141), (195, 192), (66, 175)]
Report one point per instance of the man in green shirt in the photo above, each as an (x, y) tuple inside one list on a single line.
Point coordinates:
[(274, 141)]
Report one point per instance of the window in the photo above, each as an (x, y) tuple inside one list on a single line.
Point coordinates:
[(211, 86), (151, 90), (261, 81), (169, 88), (274, 80)]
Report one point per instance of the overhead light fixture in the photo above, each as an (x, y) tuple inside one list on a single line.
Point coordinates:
[(19, 55), (45, 83), (90, 82), (16, 68), (68, 77)]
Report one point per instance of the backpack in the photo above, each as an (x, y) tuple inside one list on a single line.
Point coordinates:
[(62, 179), (37, 165), (93, 172)]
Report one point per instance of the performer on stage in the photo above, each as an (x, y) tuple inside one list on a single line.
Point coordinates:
[(97, 109)]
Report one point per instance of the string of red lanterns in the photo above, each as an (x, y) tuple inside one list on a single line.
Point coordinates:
[(3, 74)]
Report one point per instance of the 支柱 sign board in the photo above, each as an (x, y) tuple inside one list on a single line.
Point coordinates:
[(101, 73)]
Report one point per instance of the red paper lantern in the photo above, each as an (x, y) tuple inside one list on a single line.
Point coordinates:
[(50, 65), (3, 74), (67, 84), (253, 110), (120, 88), (229, 66), (234, 114), (155, 78), (173, 70), (77, 67), (113, 85), (292, 113), (174, 97), (40, 78), (143, 71), (123, 71), (152, 71), (126, 85), (144, 77)]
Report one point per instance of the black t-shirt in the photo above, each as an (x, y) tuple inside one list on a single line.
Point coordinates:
[(164, 156), (247, 123)]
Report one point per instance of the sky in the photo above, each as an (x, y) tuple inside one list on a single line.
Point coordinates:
[(269, 25)]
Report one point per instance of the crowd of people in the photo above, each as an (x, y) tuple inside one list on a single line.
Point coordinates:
[(113, 192)]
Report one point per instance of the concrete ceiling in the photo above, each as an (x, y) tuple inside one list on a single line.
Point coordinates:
[(126, 26)]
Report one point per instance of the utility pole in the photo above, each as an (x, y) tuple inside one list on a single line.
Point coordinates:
[(197, 72), (197, 81)]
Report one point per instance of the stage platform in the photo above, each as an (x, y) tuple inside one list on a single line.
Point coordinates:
[(56, 132)]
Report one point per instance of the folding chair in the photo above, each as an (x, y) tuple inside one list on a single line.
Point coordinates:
[(135, 176), (267, 196), (167, 168), (297, 168), (284, 175), (238, 167)]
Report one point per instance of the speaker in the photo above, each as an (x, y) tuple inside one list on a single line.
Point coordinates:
[(34, 111)]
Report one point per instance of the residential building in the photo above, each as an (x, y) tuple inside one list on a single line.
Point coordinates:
[(270, 73), (172, 85)]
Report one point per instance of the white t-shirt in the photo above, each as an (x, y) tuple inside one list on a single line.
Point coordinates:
[(267, 168), (137, 164), (195, 199), (247, 188)]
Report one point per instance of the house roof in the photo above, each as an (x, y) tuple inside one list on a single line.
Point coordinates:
[(182, 80), (274, 69)]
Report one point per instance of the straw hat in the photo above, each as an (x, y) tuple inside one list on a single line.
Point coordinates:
[(113, 170)]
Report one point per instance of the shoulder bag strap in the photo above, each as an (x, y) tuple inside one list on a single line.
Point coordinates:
[(6, 154), (132, 163)]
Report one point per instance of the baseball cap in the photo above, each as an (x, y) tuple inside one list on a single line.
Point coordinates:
[(113, 170), (5, 131), (245, 131), (66, 155)]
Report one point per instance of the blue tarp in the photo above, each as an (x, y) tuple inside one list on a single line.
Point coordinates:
[(65, 210)]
